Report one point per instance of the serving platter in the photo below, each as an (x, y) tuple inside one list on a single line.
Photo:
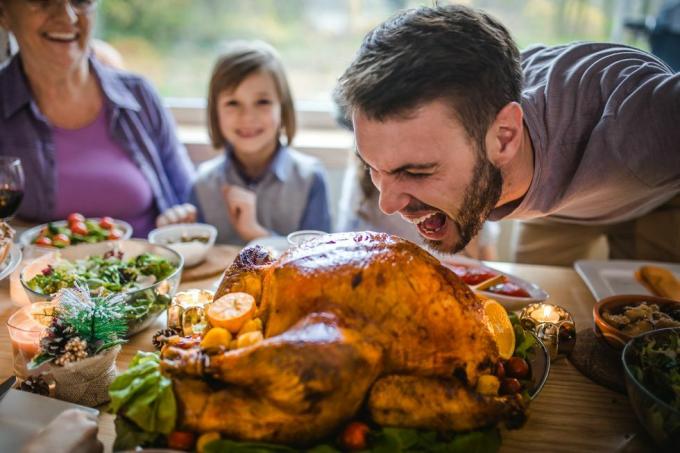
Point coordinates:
[(536, 293), (615, 277)]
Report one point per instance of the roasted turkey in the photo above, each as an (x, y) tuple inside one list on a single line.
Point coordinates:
[(353, 322)]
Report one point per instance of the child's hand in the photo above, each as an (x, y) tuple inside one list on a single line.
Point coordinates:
[(242, 208), (180, 213)]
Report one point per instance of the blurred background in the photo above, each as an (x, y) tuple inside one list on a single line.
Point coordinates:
[(175, 42)]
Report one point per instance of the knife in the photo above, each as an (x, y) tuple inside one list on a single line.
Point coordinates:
[(5, 386)]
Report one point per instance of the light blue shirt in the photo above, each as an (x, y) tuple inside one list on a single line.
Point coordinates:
[(292, 195)]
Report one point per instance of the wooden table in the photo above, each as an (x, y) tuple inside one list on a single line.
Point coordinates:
[(571, 414)]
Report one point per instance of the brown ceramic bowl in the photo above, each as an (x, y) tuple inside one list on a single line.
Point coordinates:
[(615, 337)]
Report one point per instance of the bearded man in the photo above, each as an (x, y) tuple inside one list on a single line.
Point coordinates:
[(456, 127)]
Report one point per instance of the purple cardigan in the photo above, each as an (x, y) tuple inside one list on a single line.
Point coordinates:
[(138, 122)]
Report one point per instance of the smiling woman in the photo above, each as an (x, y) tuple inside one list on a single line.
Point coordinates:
[(92, 139)]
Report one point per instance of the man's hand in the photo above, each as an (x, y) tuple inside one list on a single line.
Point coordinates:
[(73, 431), (180, 213), (242, 208)]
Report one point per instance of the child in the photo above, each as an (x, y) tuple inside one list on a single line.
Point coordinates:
[(258, 187)]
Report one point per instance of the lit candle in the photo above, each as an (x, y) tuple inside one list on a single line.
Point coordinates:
[(553, 325), (186, 311), (547, 313), (26, 326)]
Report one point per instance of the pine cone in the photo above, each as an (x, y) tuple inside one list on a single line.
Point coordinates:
[(161, 337), (56, 337), (36, 384)]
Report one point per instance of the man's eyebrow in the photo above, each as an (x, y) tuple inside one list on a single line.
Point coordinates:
[(403, 168)]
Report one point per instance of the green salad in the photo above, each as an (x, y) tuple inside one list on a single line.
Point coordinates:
[(103, 275), (658, 368)]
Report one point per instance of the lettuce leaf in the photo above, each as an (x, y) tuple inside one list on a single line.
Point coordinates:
[(144, 396)]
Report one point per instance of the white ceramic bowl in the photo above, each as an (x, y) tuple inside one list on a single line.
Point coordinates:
[(193, 251)]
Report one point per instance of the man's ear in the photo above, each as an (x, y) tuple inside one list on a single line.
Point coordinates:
[(504, 136)]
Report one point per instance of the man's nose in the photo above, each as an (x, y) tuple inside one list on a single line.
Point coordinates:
[(392, 198)]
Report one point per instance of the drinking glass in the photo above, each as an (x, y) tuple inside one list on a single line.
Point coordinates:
[(11, 185)]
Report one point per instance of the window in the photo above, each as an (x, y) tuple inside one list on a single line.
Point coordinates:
[(175, 42)]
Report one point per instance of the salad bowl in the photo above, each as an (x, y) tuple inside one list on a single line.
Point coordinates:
[(152, 275)]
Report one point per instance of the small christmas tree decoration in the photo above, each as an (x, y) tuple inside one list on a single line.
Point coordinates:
[(162, 336), (82, 326), (78, 352)]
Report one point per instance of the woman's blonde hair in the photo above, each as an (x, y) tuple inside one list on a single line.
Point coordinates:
[(240, 61)]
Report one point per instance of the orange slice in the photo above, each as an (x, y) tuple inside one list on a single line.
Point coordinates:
[(498, 323), (231, 311)]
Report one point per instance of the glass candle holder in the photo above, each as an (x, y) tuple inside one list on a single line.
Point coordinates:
[(187, 313), (26, 327), (298, 237), (553, 325)]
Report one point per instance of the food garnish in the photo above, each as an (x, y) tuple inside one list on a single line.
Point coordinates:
[(501, 328), (231, 311)]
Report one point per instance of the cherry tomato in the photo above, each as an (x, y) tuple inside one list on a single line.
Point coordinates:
[(115, 234), (43, 240), (79, 228), (354, 436), (106, 223), (517, 367), (509, 289), (500, 370), (61, 240), (510, 386), (75, 217), (181, 440)]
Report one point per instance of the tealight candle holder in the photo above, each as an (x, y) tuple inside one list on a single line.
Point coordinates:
[(553, 325), (186, 312), (26, 327)]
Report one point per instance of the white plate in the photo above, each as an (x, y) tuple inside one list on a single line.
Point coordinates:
[(22, 414), (28, 236), (11, 262), (275, 244), (536, 293), (613, 277)]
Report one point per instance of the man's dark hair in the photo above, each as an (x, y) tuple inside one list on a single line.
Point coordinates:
[(454, 53)]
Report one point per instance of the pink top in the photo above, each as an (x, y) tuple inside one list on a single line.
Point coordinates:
[(97, 178)]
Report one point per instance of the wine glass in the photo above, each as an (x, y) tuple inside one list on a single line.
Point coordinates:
[(11, 185)]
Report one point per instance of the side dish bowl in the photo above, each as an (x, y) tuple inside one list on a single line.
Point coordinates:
[(191, 240), (614, 336), (653, 404), (146, 302)]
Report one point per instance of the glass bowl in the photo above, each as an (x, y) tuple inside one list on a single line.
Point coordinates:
[(147, 302), (660, 419)]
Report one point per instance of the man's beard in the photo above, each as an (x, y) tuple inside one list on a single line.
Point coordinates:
[(481, 196)]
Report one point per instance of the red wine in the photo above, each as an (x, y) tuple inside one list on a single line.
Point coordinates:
[(9, 201)]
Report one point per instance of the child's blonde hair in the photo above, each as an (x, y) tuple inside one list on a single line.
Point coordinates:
[(242, 59)]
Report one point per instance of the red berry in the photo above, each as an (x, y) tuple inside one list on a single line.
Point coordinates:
[(510, 386), (518, 368), (354, 436)]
